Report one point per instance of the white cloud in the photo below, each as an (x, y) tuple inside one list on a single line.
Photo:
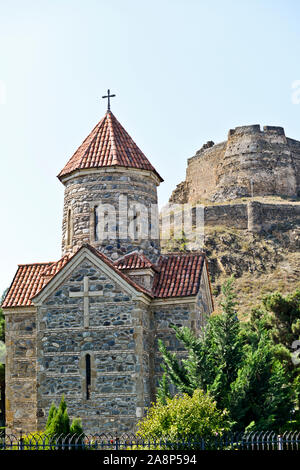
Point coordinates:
[(296, 93)]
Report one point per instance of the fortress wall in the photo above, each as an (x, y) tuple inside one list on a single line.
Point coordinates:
[(201, 174), (256, 160), (251, 162), (268, 216), (234, 215), (253, 216), (295, 148)]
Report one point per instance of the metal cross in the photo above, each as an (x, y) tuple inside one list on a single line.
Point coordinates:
[(86, 294), (108, 96)]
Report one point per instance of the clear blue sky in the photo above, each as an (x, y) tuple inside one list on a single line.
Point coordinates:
[(184, 71)]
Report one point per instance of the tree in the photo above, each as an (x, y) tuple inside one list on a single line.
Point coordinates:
[(184, 417), (2, 326), (281, 315), (58, 423), (163, 390), (213, 358), (240, 375), (2, 319), (260, 397)]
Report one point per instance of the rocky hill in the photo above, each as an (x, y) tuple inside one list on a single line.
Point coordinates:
[(249, 187)]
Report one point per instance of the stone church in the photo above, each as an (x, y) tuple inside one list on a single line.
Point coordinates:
[(87, 325)]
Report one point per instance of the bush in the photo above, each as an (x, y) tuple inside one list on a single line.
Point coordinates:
[(184, 418)]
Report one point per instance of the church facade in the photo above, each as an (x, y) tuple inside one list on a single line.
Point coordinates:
[(87, 325)]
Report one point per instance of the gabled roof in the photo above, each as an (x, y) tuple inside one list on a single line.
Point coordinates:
[(108, 145), (176, 275), (31, 279), (134, 261), (179, 275)]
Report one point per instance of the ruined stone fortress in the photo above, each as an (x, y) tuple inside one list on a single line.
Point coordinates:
[(87, 325), (251, 181)]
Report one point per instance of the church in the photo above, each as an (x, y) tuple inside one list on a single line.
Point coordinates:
[(87, 325)]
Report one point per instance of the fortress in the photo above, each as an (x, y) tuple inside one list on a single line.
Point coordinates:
[(251, 181)]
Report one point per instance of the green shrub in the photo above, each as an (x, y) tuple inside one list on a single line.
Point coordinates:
[(183, 418)]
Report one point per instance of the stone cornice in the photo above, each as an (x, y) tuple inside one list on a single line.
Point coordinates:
[(174, 300), (19, 310), (93, 171)]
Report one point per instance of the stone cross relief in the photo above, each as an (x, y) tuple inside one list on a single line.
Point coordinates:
[(86, 294)]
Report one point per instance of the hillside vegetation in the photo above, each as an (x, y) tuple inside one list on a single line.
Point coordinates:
[(261, 263)]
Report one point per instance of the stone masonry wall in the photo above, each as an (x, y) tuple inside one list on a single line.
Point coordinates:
[(265, 217), (119, 342), (84, 192), (254, 216), (263, 162), (20, 339)]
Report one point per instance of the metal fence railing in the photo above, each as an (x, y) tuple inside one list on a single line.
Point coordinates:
[(234, 441)]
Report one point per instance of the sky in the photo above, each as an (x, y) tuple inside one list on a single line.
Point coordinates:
[(184, 72)]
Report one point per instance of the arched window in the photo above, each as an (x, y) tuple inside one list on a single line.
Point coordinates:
[(88, 375)]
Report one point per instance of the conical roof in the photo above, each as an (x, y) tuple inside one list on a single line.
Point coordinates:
[(108, 145)]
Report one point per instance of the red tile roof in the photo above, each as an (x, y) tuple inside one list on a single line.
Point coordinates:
[(134, 261), (108, 145), (179, 275), (31, 279), (27, 282), (55, 267)]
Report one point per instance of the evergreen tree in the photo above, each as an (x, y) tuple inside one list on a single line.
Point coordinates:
[(241, 377), (58, 423), (2, 326), (76, 427), (163, 391), (260, 395), (51, 414)]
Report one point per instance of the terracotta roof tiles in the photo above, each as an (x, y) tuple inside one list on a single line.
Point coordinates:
[(27, 282), (134, 261), (177, 275), (108, 145)]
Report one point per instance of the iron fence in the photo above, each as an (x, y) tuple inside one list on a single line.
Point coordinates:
[(234, 441)]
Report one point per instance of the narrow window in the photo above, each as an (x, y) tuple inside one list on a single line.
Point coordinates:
[(96, 223), (69, 227), (135, 219), (88, 375)]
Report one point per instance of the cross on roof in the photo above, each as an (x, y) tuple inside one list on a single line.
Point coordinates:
[(108, 96)]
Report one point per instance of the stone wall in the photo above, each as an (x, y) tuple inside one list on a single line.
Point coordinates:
[(118, 340), (251, 161), (20, 339), (231, 215), (266, 217), (85, 191), (254, 216)]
